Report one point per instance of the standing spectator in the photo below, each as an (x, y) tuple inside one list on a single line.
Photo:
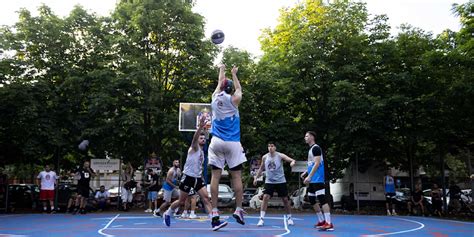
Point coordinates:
[(127, 186), (153, 188), (83, 176), (190, 204), (48, 179), (454, 197), (436, 201), (416, 200), (3, 184), (389, 184), (102, 197)]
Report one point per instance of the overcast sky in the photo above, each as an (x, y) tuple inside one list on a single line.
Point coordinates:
[(242, 20)]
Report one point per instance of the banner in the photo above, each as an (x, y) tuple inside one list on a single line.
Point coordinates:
[(105, 164)]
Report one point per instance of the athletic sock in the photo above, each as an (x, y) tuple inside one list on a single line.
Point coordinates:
[(320, 216), (327, 217), (215, 212), (262, 214)]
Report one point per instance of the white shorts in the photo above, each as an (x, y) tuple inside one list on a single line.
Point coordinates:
[(167, 195), (225, 152), (126, 195)]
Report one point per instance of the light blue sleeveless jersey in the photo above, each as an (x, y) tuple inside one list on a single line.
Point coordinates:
[(225, 117)]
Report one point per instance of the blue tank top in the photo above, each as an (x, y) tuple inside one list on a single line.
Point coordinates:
[(174, 179), (389, 184), (225, 117), (318, 177)]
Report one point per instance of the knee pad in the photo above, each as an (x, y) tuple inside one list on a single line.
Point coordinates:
[(312, 200), (237, 168), (322, 199)]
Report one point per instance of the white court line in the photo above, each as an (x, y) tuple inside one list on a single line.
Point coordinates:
[(286, 227), (443, 220), (206, 229), (403, 231), (108, 224), (152, 217)]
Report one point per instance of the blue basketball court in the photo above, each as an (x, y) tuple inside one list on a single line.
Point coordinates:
[(135, 224)]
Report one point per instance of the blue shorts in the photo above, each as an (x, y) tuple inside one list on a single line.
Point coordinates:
[(152, 195)]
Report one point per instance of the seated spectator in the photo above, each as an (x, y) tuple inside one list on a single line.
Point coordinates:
[(416, 200), (102, 197)]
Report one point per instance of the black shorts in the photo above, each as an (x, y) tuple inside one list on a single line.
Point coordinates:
[(389, 196), (281, 189), (83, 191), (188, 182), (314, 187)]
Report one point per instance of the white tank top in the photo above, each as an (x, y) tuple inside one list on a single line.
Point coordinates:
[(193, 166), (274, 173)]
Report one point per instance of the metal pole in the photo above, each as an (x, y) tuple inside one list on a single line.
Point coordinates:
[(356, 191), (119, 187), (443, 181), (56, 193), (6, 197), (411, 174)]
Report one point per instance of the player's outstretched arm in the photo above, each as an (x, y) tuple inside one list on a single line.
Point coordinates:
[(221, 78), (237, 96)]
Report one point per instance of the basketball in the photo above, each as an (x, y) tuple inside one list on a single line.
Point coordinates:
[(83, 145), (217, 37)]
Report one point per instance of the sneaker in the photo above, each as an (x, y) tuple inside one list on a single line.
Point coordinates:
[(53, 211), (320, 224), (239, 216), (82, 211), (217, 224), (148, 210), (327, 227), (192, 216), (260, 222), (75, 211), (388, 213), (167, 220), (184, 215), (394, 213), (156, 213), (290, 221)]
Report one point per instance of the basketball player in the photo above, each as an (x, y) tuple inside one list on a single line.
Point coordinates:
[(389, 184), (192, 178), (315, 178), (170, 188), (225, 147), (274, 180)]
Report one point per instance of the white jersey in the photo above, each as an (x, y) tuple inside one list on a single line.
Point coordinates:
[(225, 117), (274, 173), (47, 180), (193, 166)]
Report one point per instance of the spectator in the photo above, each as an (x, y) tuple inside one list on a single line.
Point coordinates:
[(48, 179), (102, 198), (128, 184), (436, 201), (83, 176), (153, 188), (454, 197), (3, 183), (416, 200)]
